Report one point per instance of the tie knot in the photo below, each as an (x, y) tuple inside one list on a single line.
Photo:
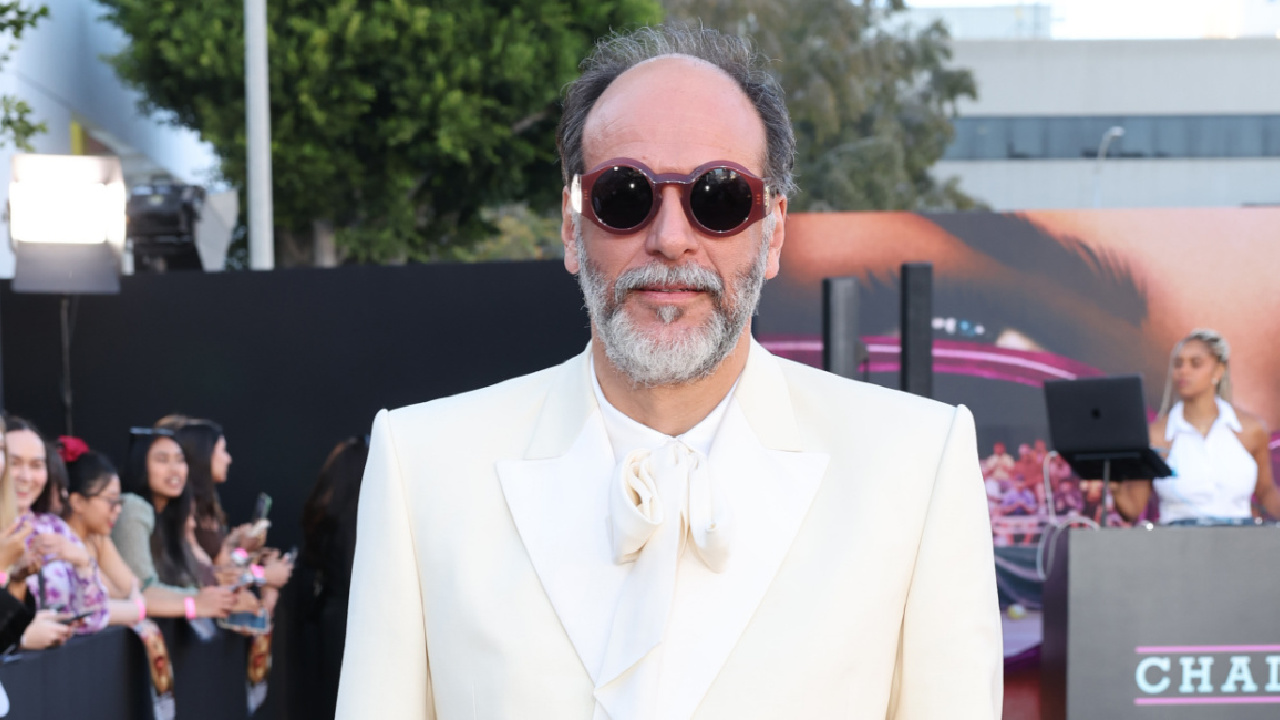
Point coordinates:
[(669, 486), (675, 456)]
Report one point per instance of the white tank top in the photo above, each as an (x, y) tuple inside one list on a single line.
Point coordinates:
[(1213, 475)]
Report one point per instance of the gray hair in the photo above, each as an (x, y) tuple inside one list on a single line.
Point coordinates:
[(1218, 348), (733, 55)]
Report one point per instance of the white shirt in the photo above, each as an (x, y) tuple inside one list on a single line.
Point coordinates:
[(625, 436), (1214, 475)]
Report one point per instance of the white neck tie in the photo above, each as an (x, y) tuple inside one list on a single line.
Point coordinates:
[(659, 500)]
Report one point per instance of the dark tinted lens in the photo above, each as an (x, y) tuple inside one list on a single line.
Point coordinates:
[(721, 199), (621, 197)]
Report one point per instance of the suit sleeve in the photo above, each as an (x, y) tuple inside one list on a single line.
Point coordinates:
[(951, 660), (384, 668)]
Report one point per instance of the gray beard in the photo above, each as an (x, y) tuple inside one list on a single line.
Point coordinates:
[(651, 361)]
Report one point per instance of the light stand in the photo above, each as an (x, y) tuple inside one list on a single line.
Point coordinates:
[(67, 225)]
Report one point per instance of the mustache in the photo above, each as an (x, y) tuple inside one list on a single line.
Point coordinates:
[(684, 277)]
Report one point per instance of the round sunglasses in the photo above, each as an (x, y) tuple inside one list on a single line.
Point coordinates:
[(622, 196)]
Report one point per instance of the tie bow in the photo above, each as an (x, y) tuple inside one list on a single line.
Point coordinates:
[(669, 484)]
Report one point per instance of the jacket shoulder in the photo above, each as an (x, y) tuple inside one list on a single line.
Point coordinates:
[(476, 410)]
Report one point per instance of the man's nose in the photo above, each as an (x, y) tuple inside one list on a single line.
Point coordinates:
[(670, 234)]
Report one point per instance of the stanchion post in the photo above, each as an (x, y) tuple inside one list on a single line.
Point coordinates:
[(917, 328), (840, 344)]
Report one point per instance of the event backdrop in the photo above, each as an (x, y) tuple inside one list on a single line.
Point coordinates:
[(1021, 298), (294, 360), (290, 362)]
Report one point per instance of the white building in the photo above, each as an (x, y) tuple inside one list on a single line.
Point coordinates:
[(1200, 120), (58, 69), (1024, 21)]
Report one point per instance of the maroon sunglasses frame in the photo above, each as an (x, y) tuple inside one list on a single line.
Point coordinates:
[(759, 198)]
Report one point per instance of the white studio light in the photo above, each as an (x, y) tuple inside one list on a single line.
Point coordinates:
[(67, 199)]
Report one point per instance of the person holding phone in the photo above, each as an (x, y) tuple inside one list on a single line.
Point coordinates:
[(93, 505), (17, 623), (204, 446), (151, 529), (64, 578)]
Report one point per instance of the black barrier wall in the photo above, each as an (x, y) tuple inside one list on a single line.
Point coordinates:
[(290, 362)]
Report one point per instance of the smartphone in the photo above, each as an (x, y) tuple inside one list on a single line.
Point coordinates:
[(254, 623), (262, 508), (74, 618)]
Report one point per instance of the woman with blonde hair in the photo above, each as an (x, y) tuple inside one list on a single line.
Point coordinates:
[(1219, 453)]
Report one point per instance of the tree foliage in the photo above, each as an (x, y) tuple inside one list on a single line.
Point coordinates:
[(394, 122), (871, 99), (16, 124)]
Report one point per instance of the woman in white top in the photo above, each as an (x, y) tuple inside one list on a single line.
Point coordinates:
[(1219, 454)]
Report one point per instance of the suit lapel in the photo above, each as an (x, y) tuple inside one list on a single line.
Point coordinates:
[(771, 483), (558, 500)]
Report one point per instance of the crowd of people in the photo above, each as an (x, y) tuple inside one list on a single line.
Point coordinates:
[(87, 546), (1017, 498), (84, 545)]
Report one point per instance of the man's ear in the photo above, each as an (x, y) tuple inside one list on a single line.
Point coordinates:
[(566, 233), (779, 235)]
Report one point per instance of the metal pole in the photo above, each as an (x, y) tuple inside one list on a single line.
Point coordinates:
[(916, 360), (65, 307), (1106, 493), (1112, 133), (258, 133)]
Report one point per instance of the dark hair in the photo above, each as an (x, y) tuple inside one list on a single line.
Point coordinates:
[(329, 515), (174, 562), (89, 473), (13, 423), (198, 439), (53, 497), (735, 56)]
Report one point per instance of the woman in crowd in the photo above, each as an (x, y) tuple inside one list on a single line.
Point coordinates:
[(204, 445), (1218, 452), (59, 572), (329, 542), (93, 505), (15, 619), (151, 531)]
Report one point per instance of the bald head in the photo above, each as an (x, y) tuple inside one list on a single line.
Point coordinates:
[(710, 58), (674, 113)]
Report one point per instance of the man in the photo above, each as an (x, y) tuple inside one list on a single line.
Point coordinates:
[(674, 524)]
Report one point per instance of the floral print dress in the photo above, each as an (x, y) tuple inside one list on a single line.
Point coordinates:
[(67, 588)]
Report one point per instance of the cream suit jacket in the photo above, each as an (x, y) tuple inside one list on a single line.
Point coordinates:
[(871, 593)]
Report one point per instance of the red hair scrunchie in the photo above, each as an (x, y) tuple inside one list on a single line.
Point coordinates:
[(70, 448)]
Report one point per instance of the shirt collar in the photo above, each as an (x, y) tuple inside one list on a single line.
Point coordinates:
[(627, 434), (1178, 423)]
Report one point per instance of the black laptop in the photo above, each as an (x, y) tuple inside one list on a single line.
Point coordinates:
[(1095, 420)]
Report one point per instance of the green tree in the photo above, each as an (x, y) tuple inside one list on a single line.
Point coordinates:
[(394, 122), (16, 125), (871, 99)]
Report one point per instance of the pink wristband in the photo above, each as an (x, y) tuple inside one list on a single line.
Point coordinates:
[(142, 607), (259, 573), (4, 579), (189, 604)]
